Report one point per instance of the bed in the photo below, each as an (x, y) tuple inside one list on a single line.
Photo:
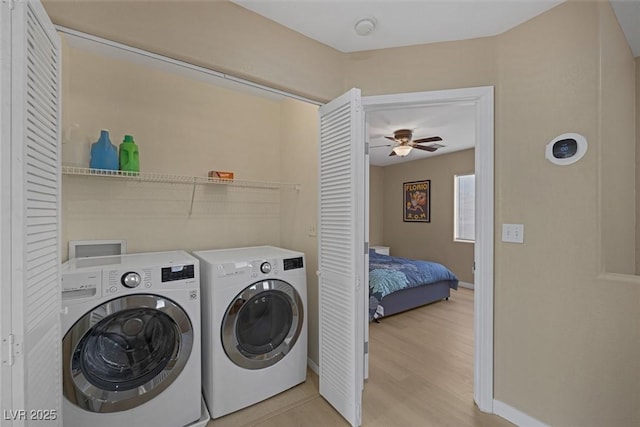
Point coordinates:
[(399, 284)]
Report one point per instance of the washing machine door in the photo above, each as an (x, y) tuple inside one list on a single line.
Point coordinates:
[(125, 352), (262, 324)]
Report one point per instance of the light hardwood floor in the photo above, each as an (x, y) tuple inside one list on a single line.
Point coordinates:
[(421, 374)]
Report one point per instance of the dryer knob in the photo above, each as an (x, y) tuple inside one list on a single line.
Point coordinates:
[(131, 279), (265, 267)]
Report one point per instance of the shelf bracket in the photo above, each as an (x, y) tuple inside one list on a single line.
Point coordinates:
[(193, 195)]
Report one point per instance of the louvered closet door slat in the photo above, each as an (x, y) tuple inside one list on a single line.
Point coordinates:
[(36, 118), (339, 254), (38, 64), (40, 163), (42, 113), (42, 144)]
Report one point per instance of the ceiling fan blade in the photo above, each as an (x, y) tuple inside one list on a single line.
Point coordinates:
[(391, 138), (379, 146), (392, 153), (430, 139), (425, 148)]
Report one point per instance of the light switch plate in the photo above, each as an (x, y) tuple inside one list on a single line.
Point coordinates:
[(513, 233)]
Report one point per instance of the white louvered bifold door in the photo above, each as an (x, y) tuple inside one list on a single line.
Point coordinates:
[(5, 210), (35, 215), (341, 254)]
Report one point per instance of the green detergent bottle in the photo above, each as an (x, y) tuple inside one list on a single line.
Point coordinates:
[(129, 155)]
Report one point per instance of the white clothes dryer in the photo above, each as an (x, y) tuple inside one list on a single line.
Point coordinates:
[(132, 342), (254, 316)]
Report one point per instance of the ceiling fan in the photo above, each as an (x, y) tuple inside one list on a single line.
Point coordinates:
[(405, 143)]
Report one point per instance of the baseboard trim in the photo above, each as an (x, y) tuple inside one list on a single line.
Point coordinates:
[(466, 285), (313, 366), (517, 417)]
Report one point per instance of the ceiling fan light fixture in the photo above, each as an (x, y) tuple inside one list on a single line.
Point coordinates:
[(403, 135), (402, 150), (365, 26)]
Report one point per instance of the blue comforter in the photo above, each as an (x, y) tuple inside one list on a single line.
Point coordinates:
[(389, 274)]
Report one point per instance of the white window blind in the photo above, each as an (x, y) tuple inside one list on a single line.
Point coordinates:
[(464, 210)]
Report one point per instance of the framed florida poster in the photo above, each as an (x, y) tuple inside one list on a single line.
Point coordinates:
[(417, 201)]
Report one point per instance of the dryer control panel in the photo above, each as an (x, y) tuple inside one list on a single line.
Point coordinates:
[(293, 263), (264, 267), (259, 268)]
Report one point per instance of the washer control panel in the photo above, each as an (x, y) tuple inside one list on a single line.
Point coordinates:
[(131, 279), (94, 283), (265, 267), (117, 281), (178, 272), (81, 284), (93, 277)]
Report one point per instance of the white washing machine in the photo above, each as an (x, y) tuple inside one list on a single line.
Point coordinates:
[(132, 343), (254, 317)]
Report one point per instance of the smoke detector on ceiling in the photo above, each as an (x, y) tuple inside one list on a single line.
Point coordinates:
[(365, 26)]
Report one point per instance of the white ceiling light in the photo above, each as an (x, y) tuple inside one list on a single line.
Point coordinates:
[(365, 26), (402, 150)]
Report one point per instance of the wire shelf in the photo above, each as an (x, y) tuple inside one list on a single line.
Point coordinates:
[(175, 179)]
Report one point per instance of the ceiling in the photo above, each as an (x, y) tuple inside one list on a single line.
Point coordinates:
[(398, 22), (409, 22), (454, 123)]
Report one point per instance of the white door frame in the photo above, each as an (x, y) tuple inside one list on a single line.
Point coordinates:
[(482, 97)]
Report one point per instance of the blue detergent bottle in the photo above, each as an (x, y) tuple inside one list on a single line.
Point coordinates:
[(104, 155)]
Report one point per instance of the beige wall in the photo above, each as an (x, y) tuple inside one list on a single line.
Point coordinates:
[(618, 136), (466, 63), (554, 317), (299, 153), (182, 126), (637, 62), (567, 344), (376, 206), (429, 241), (543, 289), (216, 34)]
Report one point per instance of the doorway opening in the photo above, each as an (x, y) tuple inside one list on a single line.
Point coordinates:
[(481, 101)]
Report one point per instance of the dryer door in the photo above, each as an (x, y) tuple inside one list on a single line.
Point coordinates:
[(125, 352), (262, 324)]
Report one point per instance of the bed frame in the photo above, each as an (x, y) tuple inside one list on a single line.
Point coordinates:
[(409, 298)]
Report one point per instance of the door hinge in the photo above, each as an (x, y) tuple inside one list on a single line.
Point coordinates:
[(366, 148), (7, 350), (366, 248), (366, 347)]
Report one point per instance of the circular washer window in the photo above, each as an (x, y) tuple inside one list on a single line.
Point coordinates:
[(262, 324), (125, 352)]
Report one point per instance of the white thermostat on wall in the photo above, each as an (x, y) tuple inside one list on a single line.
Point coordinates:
[(566, 149)]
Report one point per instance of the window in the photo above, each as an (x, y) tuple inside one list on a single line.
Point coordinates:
[(464, 208)]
